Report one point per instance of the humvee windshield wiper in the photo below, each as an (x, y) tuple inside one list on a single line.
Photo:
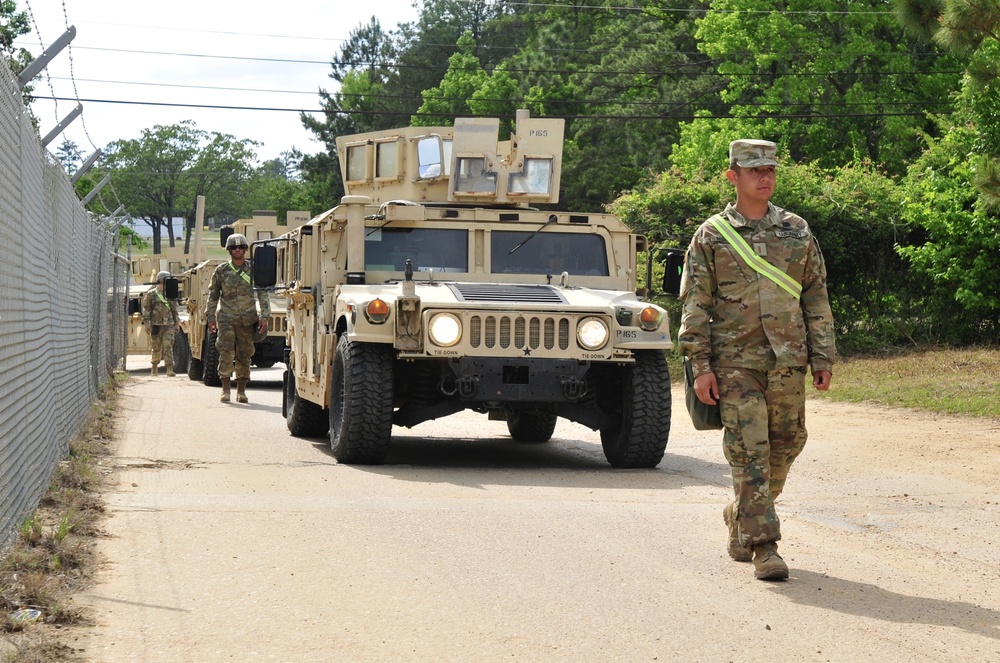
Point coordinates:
[(380, 214), (552, 219)]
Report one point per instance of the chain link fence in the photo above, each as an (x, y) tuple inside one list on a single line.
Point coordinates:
[(62, 311)]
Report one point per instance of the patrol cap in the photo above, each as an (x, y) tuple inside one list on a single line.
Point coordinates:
[(162, 276), (750, 153)]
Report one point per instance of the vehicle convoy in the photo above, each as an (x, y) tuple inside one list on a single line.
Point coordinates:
[(204, 362), (437, 286), (142, 279)]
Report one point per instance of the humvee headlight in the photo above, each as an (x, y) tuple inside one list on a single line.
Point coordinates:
[(649, 318), (377, 311), (592, 333), (445, 330)]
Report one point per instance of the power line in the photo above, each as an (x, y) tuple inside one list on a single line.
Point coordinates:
[(609, 72), (672, 117)]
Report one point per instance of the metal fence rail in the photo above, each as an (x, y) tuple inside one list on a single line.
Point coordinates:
[(61, 297)]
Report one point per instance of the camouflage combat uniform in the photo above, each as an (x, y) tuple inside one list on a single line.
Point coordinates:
[(232, 293), (758, 341), (159, 315)]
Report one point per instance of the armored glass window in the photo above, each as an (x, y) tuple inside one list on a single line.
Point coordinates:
[(387, 160), (356, 162), (534, 179), (548, 252), (438, 249), (473, 177)]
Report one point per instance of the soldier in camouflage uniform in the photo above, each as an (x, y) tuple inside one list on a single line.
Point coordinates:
[(232, 311), (160, 320), (755, 314)]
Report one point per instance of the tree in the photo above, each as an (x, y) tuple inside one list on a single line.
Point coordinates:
[(159, 175), (836, 80), (13, 24), (363, 71), (467, 89), (971, 30), (69, 155)]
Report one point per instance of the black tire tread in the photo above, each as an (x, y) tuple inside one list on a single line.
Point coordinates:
[(210, 363), (531, 426), (366, 416), (304, 418), (640, 438)]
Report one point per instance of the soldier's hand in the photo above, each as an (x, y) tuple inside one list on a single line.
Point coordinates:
[(706, 388), (261, 326), (213, 327), (822, 379)]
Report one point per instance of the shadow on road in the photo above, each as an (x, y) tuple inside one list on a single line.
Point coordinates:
[(474, 462), (871, 601)]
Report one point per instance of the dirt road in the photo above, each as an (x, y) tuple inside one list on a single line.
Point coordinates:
[(231, 540)]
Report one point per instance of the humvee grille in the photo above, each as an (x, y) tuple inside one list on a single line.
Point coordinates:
[(506, 292), (519, 331)]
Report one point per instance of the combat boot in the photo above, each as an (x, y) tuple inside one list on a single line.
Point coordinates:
[(767, 563), (152, 371), (241, 393), (737, 550), (225, 390), (170, 371)]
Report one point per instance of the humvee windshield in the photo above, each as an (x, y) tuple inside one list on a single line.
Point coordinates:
[(549, 252), (447, 250), (440, 249)]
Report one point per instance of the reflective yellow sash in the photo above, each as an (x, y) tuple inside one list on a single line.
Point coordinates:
[(243, 275), (758, 264)]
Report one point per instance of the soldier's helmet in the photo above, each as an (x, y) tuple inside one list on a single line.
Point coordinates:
[(237, 241), (162, 276)]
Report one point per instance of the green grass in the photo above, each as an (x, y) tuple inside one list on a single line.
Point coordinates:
[(963, 381), (944, 380)]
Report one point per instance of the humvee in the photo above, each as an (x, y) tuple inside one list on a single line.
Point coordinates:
[(438, 285), (204, 362), (142, 279)]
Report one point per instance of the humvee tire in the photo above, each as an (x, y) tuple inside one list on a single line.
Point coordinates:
[(182, 353), (210, 361), (639, 438), (361, 402), (195, 371), (304, 418), (531, 426)]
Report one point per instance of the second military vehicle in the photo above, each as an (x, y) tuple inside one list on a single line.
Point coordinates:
[(204, 358), (437, 285)]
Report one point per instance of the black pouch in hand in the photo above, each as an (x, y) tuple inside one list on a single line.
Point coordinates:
[(703, 416), (155, 330)]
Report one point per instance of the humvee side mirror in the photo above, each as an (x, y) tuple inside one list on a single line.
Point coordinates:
[(673, 271), (171, 288), (224, 234), (265, 266)]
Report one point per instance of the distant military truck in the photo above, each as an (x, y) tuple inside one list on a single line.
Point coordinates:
[(437, 286), (204, 362)]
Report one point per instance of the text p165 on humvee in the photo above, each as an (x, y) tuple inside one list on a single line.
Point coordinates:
[(436, 286)]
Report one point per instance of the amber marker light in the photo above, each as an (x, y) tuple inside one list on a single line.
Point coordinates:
[(649, 318), (377, 311)]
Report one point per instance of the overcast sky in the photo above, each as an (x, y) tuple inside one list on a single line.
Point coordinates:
[(156, 53)]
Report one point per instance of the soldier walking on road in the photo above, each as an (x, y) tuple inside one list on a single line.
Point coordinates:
[(160, 320), (232, 312), (755, 314)]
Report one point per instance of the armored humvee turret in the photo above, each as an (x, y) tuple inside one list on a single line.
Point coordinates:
[(437, 285)]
